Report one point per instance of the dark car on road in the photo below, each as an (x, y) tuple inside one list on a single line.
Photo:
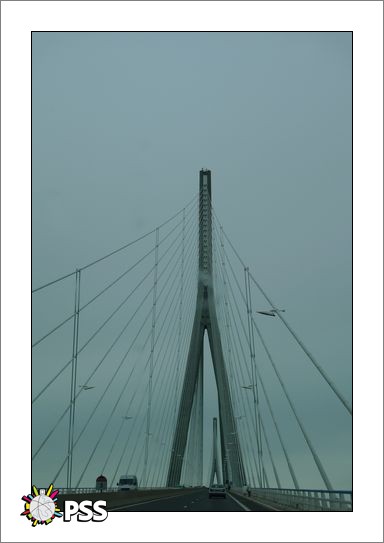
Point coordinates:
[(217, 491)]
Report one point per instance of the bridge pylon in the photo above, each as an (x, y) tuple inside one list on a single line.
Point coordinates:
[(205, 320), (215, 458)]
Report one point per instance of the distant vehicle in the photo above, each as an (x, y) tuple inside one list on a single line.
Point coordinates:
[(217, 491), (127, 482)]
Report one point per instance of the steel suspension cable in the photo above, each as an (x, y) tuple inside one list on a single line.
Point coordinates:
[(123, 453), (102, 325), (128, 439), (134, 450), (258, 471), (250, 341), (305, 435), (141, 237), (105, 355), (125, 386), (313, 451), (296, 337), (141, 259), (129, 436), (170, 421), (180, 315), (103, 394), (116, 250), (95, 333), (218, 242), (266, 396), (171, 381), (61, 278), (114, 375), (93, 299), (263, 387), (290, 467), (117, 436), (114, 282), (250, 432), (267, 444), (87, 381)]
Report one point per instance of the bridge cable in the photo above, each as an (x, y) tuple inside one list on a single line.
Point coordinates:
[(293, 475), (167, 418), (99, 364), (174, 337), (258, 472), (93, 299), (103, 324), (179, 346), (95, 333), (119, 431), (220, 262), (129, 436), (114, 282), (77, 395), (258, 372), (142, 237), (115, 406), (225, 280), (180, 318), (313, 452), (298, 340), (116, 250), (147, 317), (127, 412), (177, 436)]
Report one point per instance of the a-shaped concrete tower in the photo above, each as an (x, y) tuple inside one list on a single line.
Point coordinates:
[(206, 320)]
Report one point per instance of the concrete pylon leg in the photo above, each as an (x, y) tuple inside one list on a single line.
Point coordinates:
[(228, 428), (186, 402), (192, 471), (199, 418)]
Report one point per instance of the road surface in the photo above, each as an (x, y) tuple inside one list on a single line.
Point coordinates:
[(194, 501)]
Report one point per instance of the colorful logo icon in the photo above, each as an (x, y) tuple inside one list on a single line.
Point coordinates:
[(40, 506)]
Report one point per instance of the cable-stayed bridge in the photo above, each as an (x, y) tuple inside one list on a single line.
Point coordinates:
[(121, 352)]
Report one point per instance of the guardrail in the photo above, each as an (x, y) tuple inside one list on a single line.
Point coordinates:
[(86, 490), (93, 490), (305, 500)]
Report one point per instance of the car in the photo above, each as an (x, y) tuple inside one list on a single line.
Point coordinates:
[(217, 491)]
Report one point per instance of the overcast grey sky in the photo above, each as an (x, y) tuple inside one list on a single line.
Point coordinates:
[(122, 124)]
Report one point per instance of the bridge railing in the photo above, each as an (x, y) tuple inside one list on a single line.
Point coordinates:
[(86, 490), (93, 490), (305, 500)]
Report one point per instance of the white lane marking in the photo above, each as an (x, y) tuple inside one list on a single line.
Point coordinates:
[(260, 504), (144, 503), (239, 503)]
